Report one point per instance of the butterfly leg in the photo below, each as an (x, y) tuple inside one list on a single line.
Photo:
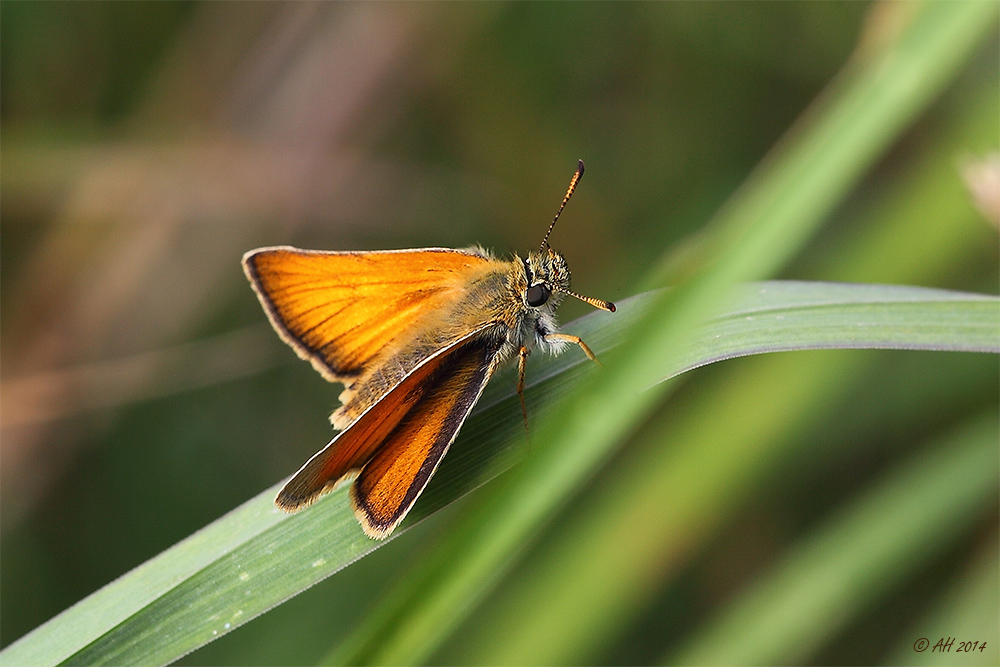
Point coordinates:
[(576, 340), (522, 358)]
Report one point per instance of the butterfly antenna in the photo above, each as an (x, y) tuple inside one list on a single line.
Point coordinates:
[(569, 192), (596, 303)]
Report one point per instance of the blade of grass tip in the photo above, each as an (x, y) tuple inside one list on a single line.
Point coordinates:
[(788, 315), (896, 526), (759, 230)]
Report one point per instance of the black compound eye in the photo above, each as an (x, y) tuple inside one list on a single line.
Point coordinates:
[(536, 295)]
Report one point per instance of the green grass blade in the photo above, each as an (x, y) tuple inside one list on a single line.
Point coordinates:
[(759, 230), (255, 557), (841, 316), (858, 556), (693, 471), (600, 572)]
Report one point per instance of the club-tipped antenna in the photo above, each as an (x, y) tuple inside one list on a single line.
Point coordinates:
[(569, 193), (596, 303)]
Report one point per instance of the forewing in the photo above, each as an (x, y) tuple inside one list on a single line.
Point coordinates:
[(355, 446), (390, 483), (339, 310)]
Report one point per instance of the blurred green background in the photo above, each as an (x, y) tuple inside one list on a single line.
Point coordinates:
[(146, 146)]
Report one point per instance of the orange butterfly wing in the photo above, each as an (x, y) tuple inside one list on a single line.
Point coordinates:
[(340, 310), (392, 481), (398, 443)]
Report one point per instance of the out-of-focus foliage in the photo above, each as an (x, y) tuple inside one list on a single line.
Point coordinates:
[(147, 146)]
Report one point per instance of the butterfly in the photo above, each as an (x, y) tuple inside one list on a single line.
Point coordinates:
[(414, 336)]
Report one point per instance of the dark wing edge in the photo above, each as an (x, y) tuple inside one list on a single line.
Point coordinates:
[(386, 489), (303, 351), (343, 458)]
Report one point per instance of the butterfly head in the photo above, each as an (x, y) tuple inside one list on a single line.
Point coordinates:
[(547, 282), (546, 271), (546, 279)]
